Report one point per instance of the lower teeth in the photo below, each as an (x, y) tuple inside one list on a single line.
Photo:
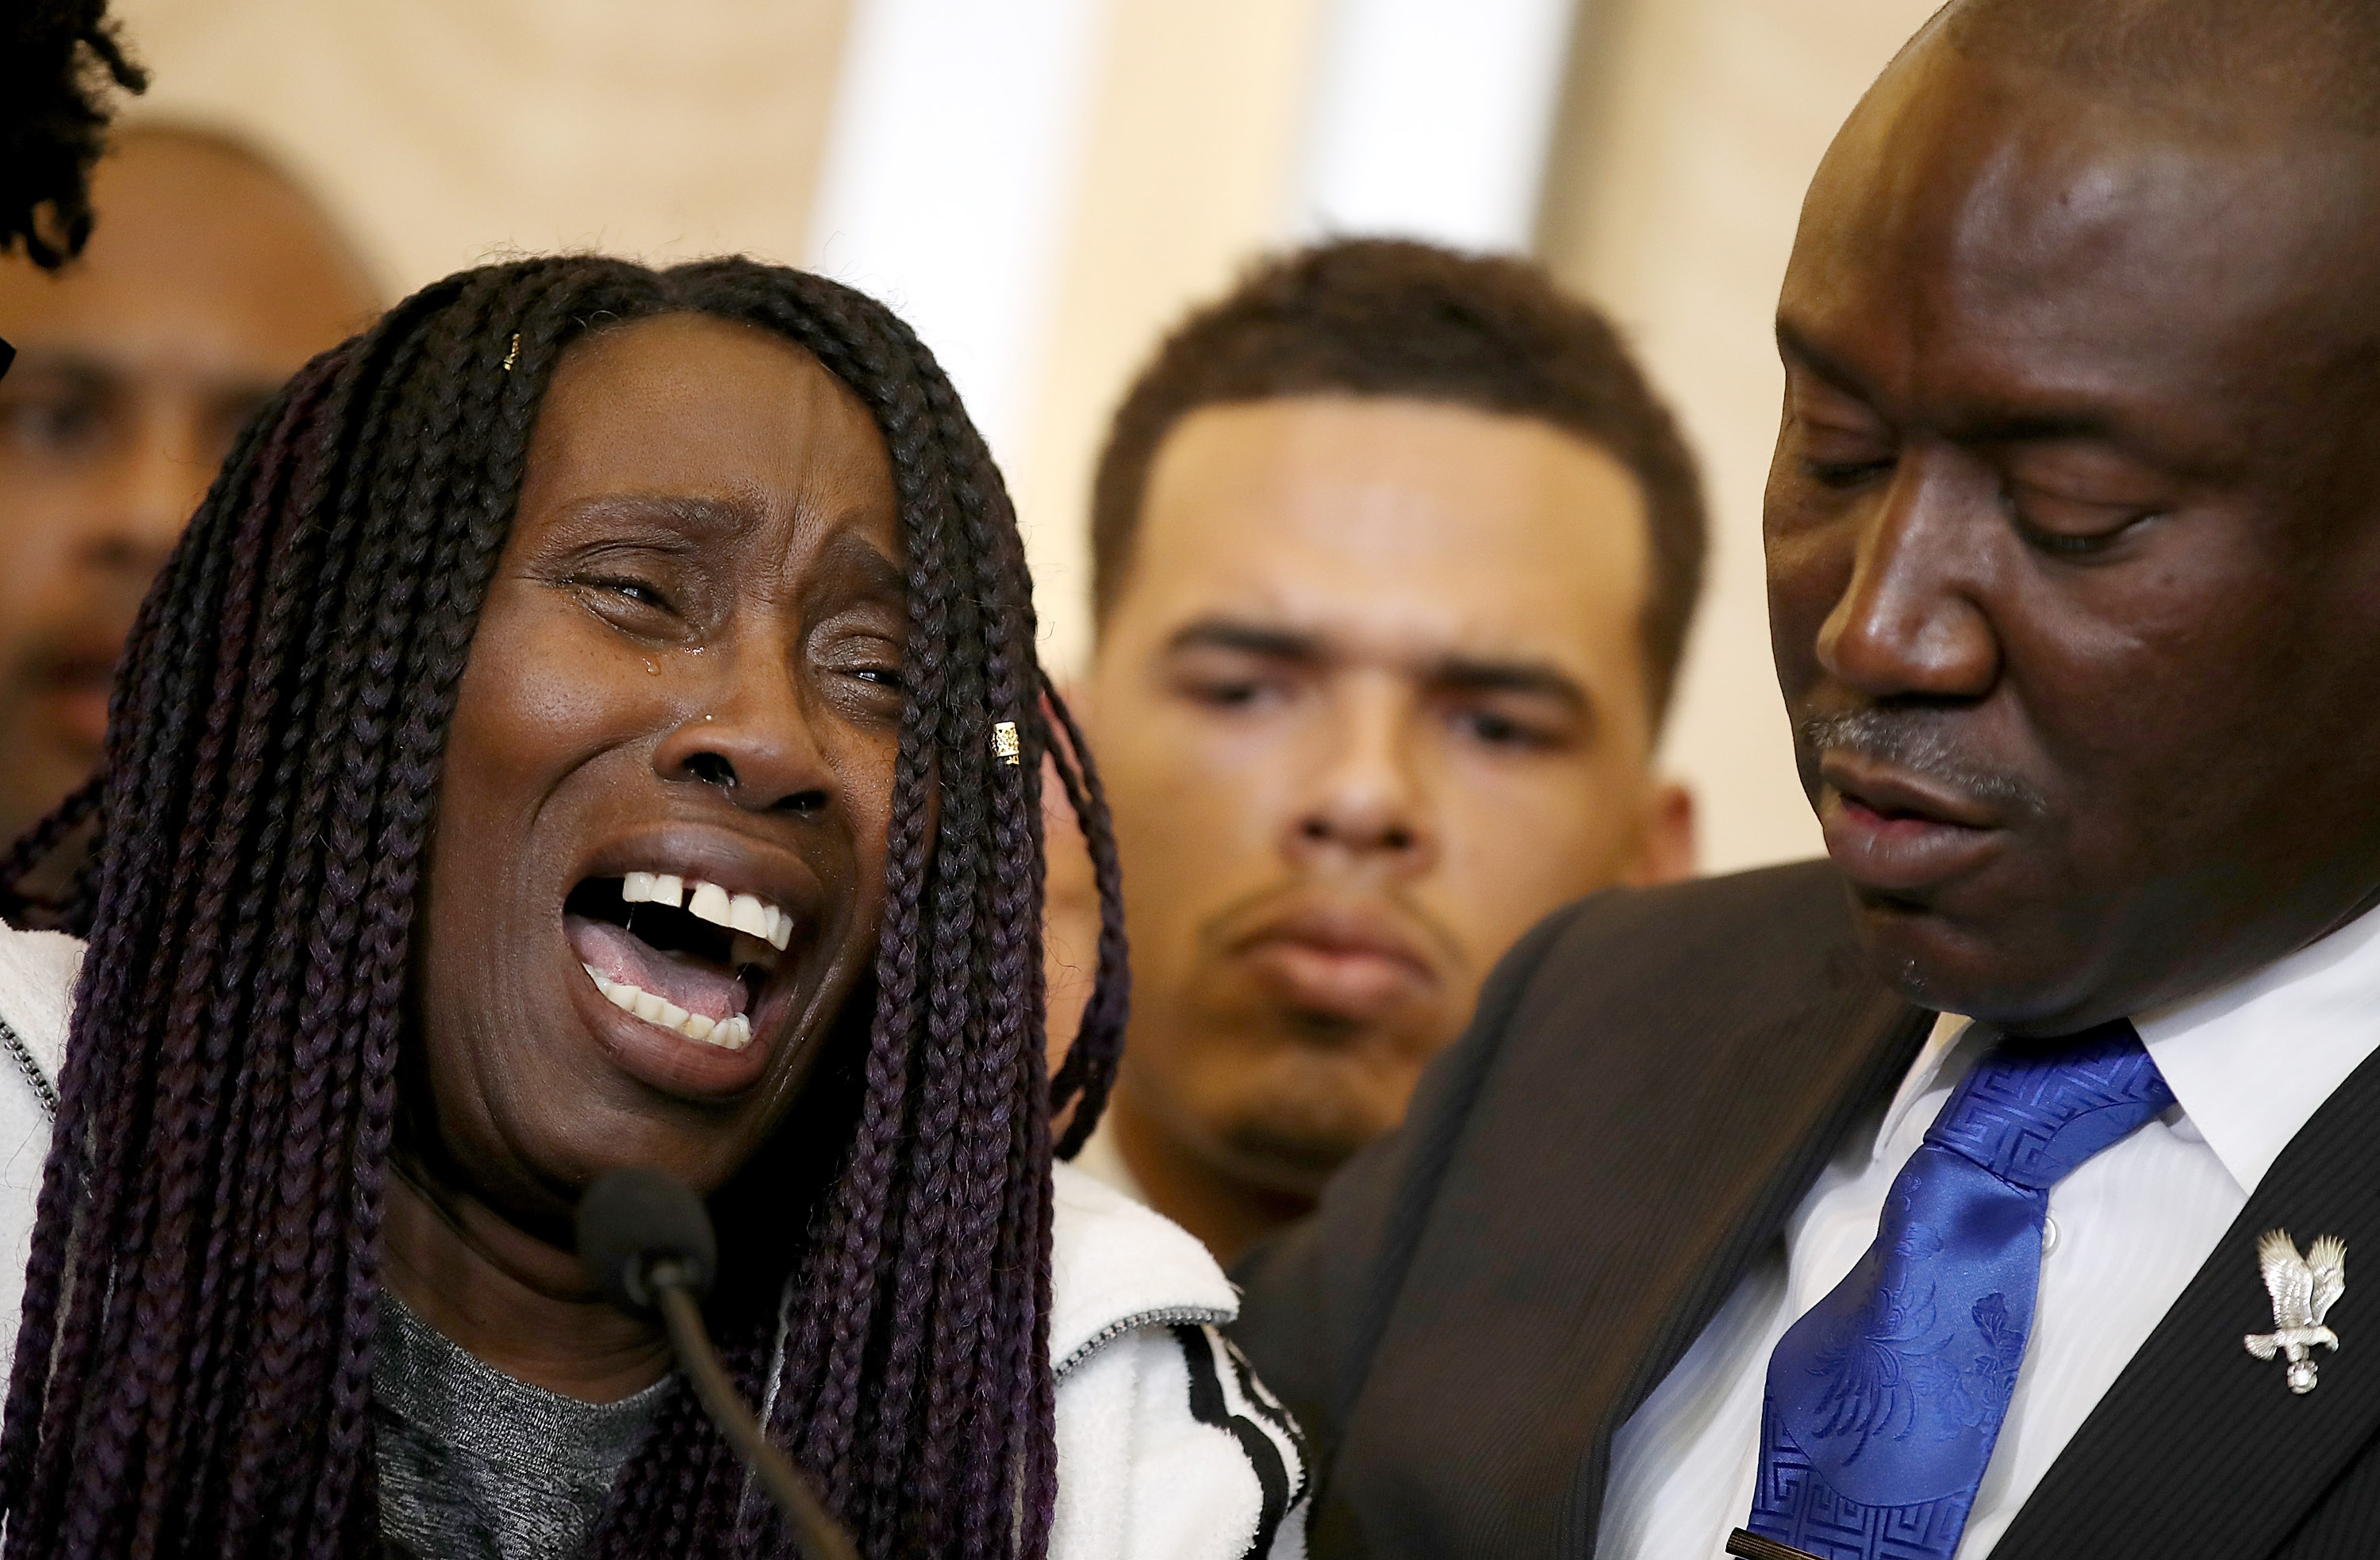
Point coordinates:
[(731, 1033)]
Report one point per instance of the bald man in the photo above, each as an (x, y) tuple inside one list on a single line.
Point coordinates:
[(210, 279), (1989, 1187)]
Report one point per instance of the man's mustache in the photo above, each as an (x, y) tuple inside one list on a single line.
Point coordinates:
[(1916, 743)]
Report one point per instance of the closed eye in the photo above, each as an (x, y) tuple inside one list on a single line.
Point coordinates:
[(1232, 693), (1499, 731), (1845, 474), (634, 590), (633, 604), (1229, 694), (2059, 544), (2064, 527)]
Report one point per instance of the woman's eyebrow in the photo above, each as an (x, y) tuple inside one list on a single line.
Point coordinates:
[(863, 565), (694, 515)]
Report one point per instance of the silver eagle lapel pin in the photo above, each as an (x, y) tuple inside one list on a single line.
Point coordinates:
[(2303, 1289)]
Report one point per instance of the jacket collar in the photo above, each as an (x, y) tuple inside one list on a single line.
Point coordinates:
[(1620, 1143), (1823, 1069), (37, 979), (1116, 1266)]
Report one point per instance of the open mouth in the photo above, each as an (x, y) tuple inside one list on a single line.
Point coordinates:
[(682, 954)]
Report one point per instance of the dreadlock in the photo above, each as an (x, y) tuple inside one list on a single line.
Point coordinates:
[(194, 1369), (56, 59)]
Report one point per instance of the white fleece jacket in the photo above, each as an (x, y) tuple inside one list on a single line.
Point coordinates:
[(1167, 1447)]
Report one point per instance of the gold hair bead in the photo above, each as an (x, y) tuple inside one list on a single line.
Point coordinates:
[(1004, 746), (514, 355)]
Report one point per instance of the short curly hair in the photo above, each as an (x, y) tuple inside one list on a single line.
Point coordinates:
[(1385, 317), (58, 61)]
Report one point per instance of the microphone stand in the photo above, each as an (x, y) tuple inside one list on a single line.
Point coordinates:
[(674, 1292)]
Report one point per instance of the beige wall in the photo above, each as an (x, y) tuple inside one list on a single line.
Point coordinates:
[(1689, 130), (449, 131), (1188, 158), (1693, 128)]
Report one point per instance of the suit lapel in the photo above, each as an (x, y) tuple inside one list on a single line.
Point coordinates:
[(2200, 1449), (1848, 1053), (1558, 1281)]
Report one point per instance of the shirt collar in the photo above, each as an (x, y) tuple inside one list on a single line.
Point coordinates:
[(1933, 1062), (2252, 1062), (2248, 1064)]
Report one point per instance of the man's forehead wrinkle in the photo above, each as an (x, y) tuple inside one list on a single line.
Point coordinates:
[(2162, 275), (1865, 224), (2272, 62), (2003, 256)]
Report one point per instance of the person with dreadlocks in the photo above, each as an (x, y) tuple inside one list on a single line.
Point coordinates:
[(58, 61), (592, 720)]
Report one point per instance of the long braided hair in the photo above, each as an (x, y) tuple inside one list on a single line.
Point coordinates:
[(193, 1372)]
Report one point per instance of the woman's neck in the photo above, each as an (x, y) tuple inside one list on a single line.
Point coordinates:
[(515, 1302)]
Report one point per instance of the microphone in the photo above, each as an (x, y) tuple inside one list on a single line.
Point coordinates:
[(648, 1243)]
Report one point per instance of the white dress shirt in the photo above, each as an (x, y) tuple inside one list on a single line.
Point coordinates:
[(2248, 1065)]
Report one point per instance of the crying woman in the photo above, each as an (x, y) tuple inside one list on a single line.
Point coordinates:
[(592, 721)]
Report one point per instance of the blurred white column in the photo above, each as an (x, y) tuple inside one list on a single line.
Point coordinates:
[(1432, 119), (950, 173)]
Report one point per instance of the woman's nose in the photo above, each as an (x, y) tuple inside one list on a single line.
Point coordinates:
[(750, 736)]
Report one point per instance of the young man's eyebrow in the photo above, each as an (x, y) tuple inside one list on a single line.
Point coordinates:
[(1458, 673), (1248, 639), (1466, 675)]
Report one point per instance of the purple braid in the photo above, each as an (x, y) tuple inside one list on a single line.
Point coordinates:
[(193, 1373)]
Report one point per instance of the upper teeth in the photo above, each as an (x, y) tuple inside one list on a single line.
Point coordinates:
[(738, 912)]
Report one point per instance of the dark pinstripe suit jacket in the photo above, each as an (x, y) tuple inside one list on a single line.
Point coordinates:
[(1651, 1084)]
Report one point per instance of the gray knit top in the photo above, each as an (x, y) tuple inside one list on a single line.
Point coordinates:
[(476, 1465)]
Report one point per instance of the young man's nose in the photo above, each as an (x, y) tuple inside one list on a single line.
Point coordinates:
[(1362, 797)]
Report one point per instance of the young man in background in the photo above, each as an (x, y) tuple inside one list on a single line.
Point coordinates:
[(1395, 553)]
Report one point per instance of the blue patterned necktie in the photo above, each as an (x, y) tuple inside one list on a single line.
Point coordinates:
[(1885, 1400)]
